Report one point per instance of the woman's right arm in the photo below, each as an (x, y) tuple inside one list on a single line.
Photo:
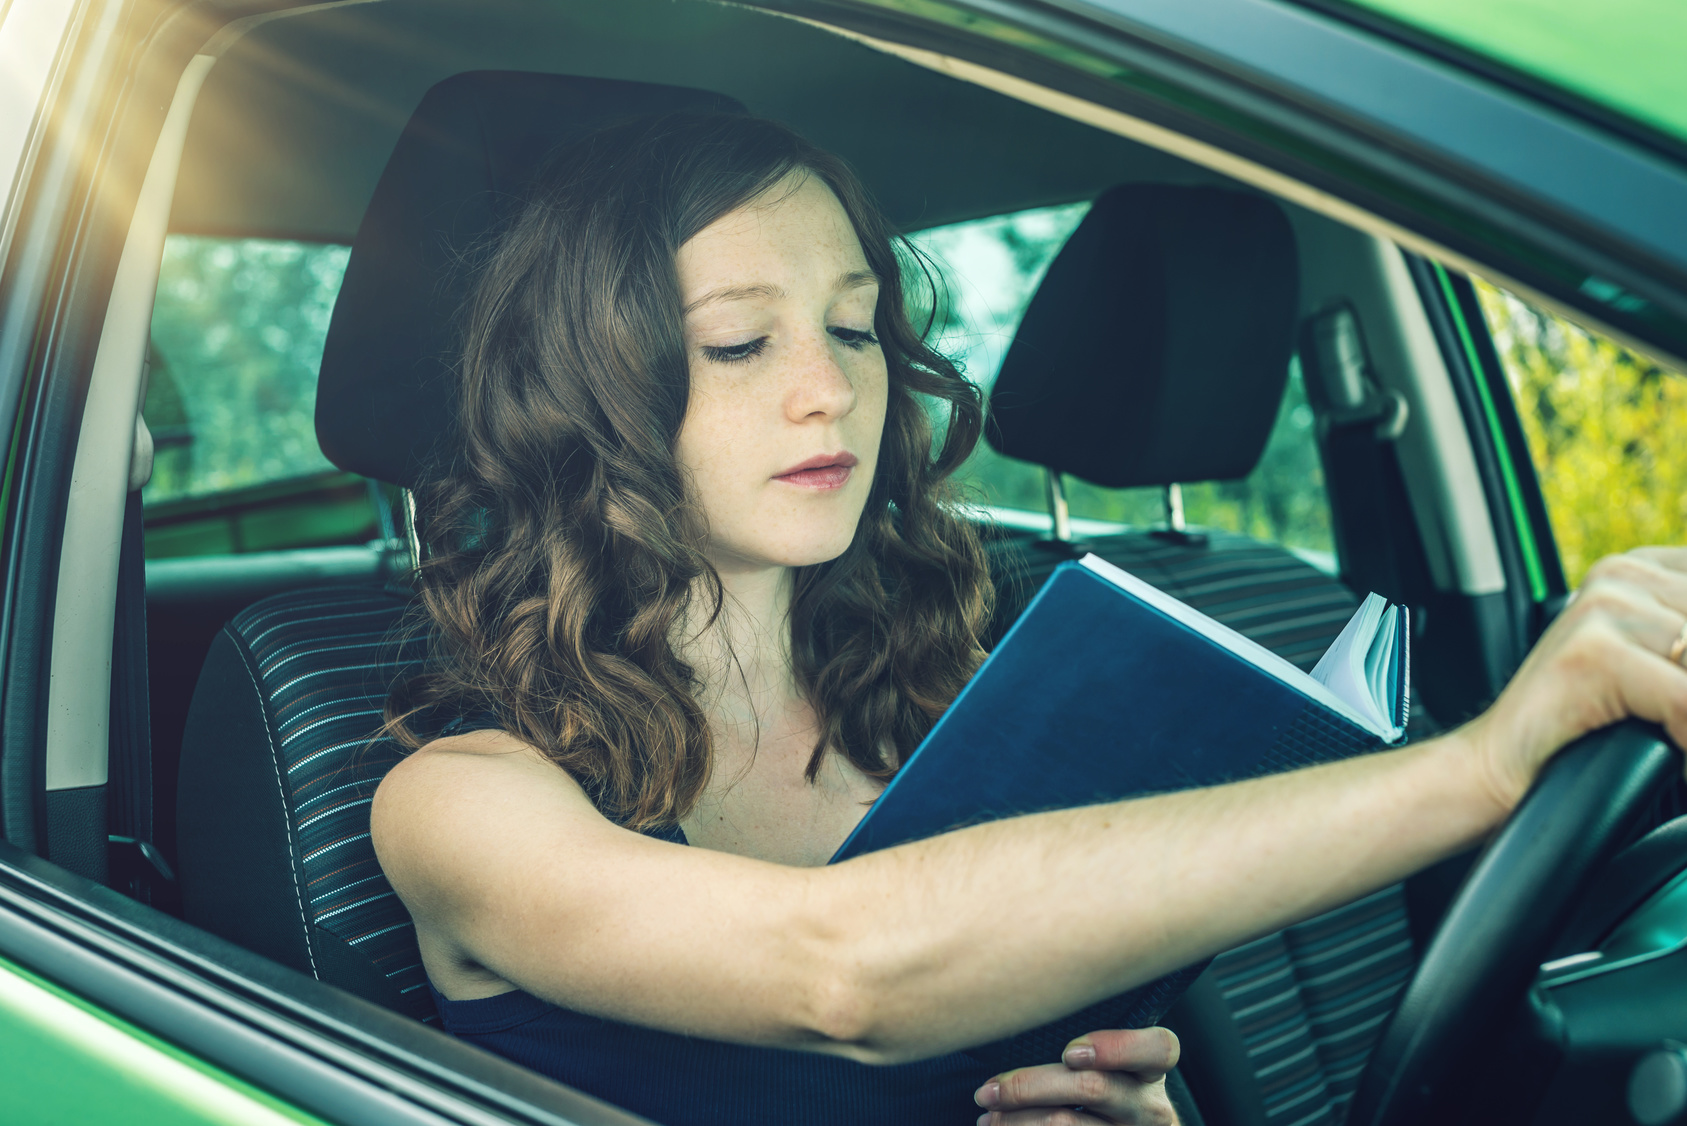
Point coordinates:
[(973, 935)]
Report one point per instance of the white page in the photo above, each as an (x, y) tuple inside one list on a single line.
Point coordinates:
[(1345, 666), (1379, 660), (1353, 637), (1392, 684), (1249, 650)]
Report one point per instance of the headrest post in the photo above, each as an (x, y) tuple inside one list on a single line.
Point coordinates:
[(383, 513), (1174, 507), (1058, 512), (1176, 530), (412, 536)]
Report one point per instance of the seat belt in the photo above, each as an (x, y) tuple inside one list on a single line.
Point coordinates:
[(134, 864), (1359, 421)]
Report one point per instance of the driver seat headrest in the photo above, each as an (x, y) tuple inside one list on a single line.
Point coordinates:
[(385, 399), (1156, 349)]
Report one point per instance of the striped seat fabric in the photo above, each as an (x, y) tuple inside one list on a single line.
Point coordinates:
[(1261, 591), (1310, 1001), (318, 665)]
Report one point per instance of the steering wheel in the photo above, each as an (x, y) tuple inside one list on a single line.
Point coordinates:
[(1516, 900)]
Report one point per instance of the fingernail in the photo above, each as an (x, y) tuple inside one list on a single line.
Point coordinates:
[(1080, 1056), (987, 1096), (984, 1119)]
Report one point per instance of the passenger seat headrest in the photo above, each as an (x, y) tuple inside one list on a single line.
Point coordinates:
[(385, 399), (1157, 347)]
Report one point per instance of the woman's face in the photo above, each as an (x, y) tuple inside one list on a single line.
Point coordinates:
[(788, 384)]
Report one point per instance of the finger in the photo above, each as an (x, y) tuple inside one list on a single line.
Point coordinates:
[(1660, 572), (1117, 1095), (1639, 609), (1635, 679), (1675, 558), (1655, 688), (1051, 1116), (1148, 1053)]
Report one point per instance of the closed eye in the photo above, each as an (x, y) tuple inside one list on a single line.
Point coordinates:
[(855, 338), (735, 353)]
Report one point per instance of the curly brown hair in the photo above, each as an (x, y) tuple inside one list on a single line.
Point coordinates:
[(561, 548)]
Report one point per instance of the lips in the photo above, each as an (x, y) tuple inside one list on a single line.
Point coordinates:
[(824, 471)]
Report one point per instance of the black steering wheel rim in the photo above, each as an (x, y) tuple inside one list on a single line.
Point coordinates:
[(1517, 898)]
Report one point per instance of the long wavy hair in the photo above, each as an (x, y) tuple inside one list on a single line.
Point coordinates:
[(562, 553)]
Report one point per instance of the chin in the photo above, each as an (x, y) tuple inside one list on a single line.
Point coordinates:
[(819, 550), (796, 547), (780, 537)]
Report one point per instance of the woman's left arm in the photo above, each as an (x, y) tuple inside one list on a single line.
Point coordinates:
[(1115, 1077)]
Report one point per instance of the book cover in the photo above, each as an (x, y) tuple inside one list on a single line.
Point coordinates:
[(1105, 689)]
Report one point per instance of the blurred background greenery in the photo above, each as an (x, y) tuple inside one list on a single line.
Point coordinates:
[(1607, 429), (237, 334)]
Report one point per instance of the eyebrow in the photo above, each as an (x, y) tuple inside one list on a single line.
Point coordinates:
[(849, 279)]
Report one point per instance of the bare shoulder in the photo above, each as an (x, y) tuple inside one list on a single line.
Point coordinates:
[(475, 755), (458, 804)]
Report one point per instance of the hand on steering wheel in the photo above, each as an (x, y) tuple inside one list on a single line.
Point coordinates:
[(1614, 652), (1606, 658)]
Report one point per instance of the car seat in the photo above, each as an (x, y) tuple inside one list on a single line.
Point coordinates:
[(280, 755), (1155, 352)]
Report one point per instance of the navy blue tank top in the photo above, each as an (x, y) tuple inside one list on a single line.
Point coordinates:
[(687, 1081)]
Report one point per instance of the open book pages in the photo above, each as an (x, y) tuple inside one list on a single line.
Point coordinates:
[(1362, 664), (1358, 678)]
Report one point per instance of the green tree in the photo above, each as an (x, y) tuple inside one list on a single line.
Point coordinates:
[(1607, 429), (237, 330)]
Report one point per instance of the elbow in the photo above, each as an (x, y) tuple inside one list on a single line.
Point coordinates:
[(841, 1014), (850, 1014), (855, 1000)]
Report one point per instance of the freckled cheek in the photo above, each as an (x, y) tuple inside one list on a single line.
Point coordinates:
[(872, 403), (719, 448)]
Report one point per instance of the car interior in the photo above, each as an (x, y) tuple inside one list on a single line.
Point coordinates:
[(255, 630)]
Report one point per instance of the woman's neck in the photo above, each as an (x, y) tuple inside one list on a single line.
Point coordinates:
[(743, 657)]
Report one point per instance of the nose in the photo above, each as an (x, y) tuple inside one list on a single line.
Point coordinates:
[(819, 384)]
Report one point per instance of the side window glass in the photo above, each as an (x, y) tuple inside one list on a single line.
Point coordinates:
[(237, 335), (1607, 430), (991, 268)]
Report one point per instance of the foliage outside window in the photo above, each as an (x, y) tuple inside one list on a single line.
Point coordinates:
[(1607, 430), (991, 268), (237, 333)]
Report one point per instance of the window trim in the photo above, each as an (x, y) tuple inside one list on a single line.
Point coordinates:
[(78, 705), (1505, 456)]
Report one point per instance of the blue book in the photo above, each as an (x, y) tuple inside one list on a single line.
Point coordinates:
[(1107, 688)]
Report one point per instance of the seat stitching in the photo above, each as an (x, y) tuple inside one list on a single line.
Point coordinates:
[(281, 796)]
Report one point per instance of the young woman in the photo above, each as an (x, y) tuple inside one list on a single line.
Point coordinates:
[(698, 594)]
